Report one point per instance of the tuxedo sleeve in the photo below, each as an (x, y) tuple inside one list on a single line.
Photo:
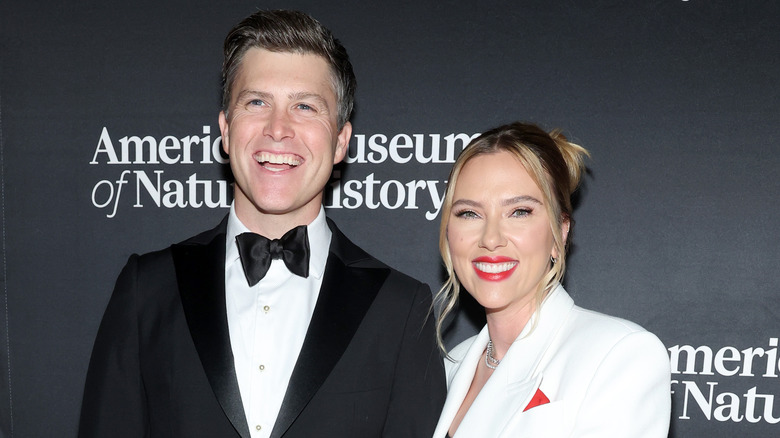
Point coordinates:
[(630, 393), (114, 396), (419, 387)]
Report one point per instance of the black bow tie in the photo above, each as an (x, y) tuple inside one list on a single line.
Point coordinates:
[(257, 252)]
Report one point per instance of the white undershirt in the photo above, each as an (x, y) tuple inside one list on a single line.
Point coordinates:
[(268, 322)]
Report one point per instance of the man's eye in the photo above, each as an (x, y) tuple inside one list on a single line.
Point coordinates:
[(256, 102), (305, 107)]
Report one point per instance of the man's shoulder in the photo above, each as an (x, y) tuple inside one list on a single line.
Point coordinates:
[(207, 236), (160, 256), (353, 256)]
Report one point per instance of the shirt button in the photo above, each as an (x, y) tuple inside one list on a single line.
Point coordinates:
[(258, 427), (261, 367), (266, 309)]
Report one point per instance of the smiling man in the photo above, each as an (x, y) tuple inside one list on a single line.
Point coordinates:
[(272, 324)]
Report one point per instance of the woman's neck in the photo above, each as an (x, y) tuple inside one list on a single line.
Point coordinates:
[(505, 325)]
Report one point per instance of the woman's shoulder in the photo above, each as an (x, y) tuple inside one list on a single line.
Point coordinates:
[(602, 331), (578, 325), (602, 322)]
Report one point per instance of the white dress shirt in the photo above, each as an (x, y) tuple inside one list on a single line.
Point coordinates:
[(268, 322)]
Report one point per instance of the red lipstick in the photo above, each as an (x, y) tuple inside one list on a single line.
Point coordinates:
[(494, 268)]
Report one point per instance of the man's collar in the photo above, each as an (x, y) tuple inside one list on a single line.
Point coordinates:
[(319, 241)]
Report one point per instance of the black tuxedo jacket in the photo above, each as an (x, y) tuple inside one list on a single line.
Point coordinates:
[(162, 365)]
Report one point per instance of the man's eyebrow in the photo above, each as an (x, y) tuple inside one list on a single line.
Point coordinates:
[(253, 93), (298, 95)]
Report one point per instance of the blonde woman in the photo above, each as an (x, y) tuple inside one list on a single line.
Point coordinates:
[(541, 367)]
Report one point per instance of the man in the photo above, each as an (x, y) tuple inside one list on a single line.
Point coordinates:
[(231, 334)]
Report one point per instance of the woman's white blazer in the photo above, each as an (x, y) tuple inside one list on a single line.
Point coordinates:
[(604, 377)]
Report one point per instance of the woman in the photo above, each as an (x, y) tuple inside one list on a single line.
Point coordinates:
[(541, 367)]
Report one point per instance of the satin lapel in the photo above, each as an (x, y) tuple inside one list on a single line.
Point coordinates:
[(200, 270), (345, 296)]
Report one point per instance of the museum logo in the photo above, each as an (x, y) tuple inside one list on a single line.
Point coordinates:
[(138, 171), (699, 373)]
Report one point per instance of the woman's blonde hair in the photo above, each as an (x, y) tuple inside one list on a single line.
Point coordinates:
[(555, 164)]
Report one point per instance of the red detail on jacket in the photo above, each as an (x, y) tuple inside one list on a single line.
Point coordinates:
[(538, 399)]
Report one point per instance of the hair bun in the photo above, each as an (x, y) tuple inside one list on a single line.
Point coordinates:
[(574, 157)]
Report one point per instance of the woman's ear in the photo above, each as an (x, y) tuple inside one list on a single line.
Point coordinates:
[(565, 225), (565, 229)]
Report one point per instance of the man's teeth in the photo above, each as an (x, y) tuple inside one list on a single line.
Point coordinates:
[(267, 157), (495, 268)]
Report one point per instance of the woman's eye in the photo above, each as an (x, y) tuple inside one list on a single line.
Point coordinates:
[(468, 214), (520, 212)]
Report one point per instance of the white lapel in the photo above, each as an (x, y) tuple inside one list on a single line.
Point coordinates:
[(515, 380), (459, 377), (528, 351)]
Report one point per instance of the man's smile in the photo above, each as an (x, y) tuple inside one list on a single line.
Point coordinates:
[(277, 162)]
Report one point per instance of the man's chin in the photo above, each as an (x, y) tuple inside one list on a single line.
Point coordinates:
[(285, 207)]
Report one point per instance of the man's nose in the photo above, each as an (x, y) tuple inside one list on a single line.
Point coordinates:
[(279, 125)]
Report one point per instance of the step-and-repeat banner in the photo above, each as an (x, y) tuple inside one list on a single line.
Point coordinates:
[(110, 146)]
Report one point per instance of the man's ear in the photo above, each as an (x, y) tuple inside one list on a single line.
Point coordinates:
[(342, 143), (223, 128)]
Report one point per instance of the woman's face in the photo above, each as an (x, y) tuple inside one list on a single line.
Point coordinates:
[(499, 233)]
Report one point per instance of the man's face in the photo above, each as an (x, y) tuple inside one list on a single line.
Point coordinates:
[(282, 136)]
